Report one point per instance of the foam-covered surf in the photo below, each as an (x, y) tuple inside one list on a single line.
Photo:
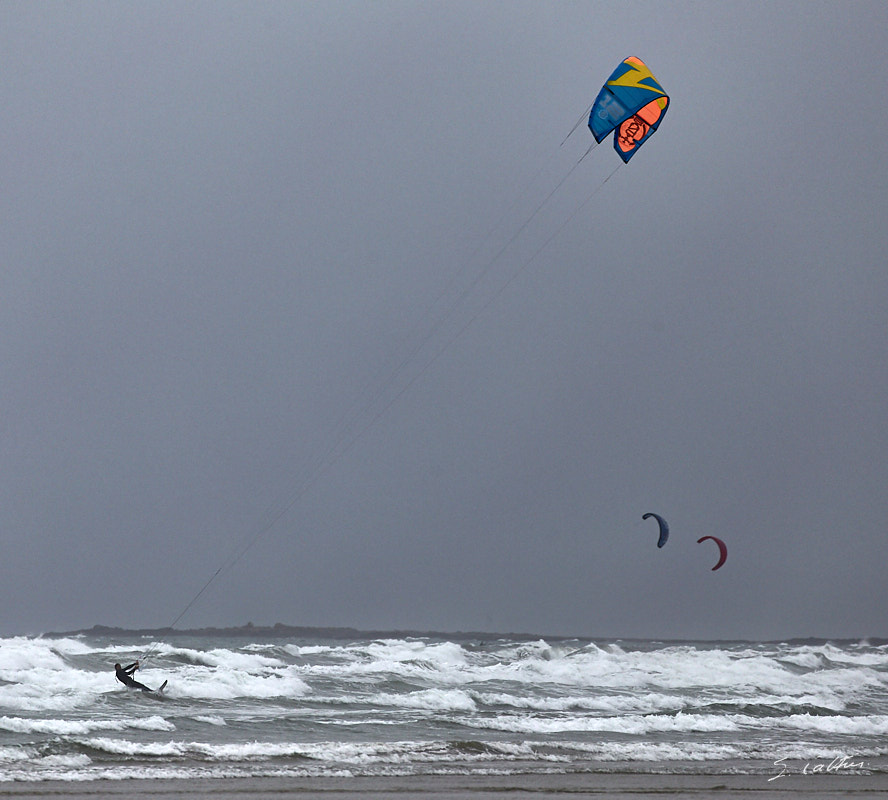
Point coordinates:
[(427, 705)]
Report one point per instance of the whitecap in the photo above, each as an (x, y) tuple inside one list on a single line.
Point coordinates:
[(429, 699), (210, 720), (67, 727), (875, 725)]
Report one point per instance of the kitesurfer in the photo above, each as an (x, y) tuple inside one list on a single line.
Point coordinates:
[(125, 676)]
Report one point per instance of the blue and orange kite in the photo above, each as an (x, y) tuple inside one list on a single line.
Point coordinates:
[(632, 104)]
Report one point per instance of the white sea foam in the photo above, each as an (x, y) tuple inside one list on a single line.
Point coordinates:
[(309, 650), (12, 755), (126, 772), (65, 762), (133, 748), (33, 696), (69, 646), (210, 720), (876, 725), (611, 704), (429, 699), (647, 751), (439, 654), (635, 725), (228, 684), (218, 657), (20, 655), (67, 727)]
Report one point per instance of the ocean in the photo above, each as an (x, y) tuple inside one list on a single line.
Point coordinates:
[(266, 707)]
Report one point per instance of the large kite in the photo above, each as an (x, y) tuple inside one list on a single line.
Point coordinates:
[(632, 104)]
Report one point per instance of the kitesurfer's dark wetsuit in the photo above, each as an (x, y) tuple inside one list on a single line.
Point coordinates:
[(125, 676)]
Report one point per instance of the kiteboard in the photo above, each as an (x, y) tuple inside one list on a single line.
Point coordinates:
[(156, 693)]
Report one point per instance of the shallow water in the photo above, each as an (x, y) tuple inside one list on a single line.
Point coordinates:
[(238, 708)]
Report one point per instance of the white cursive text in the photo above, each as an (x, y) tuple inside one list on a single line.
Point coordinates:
[(837, 765)]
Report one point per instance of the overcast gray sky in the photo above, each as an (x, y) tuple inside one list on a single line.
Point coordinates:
[(251, 305)]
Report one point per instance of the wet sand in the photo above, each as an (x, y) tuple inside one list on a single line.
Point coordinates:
[(470, 787)]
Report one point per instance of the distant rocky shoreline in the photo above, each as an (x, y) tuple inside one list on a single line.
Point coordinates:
[(281, 631)]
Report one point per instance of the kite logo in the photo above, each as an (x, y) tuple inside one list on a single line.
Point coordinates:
[(632, 131), (610, 108)]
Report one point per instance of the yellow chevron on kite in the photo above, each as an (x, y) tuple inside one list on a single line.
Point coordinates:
[(632, 79)]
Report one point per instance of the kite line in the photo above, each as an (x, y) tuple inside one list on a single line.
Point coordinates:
[(372, 403)]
